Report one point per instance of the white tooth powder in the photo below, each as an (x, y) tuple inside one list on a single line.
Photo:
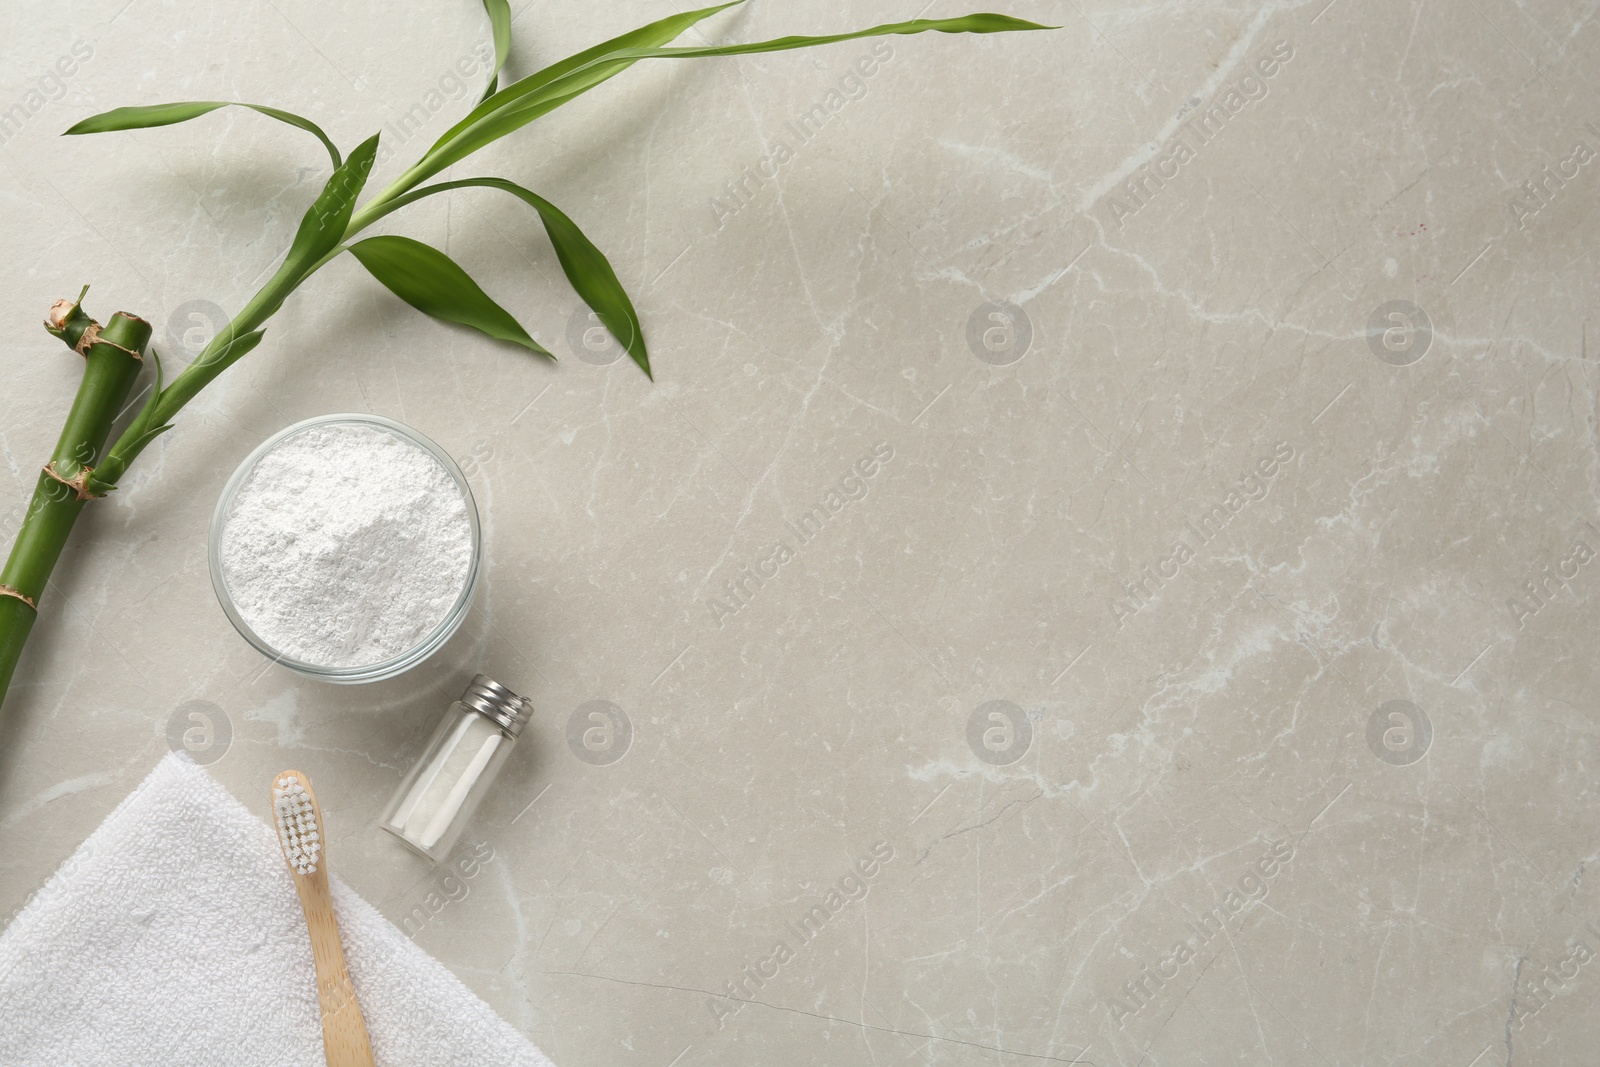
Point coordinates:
[(346, 545)]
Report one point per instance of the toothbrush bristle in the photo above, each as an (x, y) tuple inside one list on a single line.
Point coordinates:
[(297, 824)]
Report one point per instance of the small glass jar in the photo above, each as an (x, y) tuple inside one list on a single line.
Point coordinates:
[(458, 768)]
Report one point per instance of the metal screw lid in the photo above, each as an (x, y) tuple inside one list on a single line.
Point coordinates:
[(488, 697)]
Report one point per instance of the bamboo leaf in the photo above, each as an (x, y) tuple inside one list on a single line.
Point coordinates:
[(196, 377), (585, 265), (103, 479), (325, 221), (655, 33), (142, 421), (237, 349), (521, 102), (430, 281), (500, 24), (138, 118)]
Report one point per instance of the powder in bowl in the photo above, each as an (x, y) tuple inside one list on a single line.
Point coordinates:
[(346, 545)]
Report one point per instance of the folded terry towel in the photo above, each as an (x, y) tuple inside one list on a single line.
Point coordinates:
[(173, 936)]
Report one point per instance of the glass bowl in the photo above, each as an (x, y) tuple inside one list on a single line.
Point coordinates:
[(372, 672)]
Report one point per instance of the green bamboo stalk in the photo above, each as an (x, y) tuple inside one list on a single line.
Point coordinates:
[(112, 359)]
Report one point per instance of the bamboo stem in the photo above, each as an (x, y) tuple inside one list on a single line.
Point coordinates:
[(112, 359)]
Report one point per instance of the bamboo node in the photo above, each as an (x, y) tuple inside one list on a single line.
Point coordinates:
[(91, 337), (6, 590), (91, 334), (79, 484)]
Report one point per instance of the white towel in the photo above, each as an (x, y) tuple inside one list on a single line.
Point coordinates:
[(174, 936)]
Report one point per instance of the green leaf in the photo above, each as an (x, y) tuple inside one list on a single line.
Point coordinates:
[(191, 381), (500, 23), (521, 102), (237, 349), (585, 265), (138, 118), (325, 221), (430, 281), (139, 433), (142, 421), (103, 479), (655, 33)]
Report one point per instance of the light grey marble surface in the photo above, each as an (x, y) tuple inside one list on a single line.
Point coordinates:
[(1199, 535)]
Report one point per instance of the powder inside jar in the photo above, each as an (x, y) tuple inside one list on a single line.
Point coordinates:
[(346, 545)]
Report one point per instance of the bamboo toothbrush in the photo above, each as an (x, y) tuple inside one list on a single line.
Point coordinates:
[(299, 819)]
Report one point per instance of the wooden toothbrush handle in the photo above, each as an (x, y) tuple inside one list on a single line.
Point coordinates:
[(344, 1031)]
